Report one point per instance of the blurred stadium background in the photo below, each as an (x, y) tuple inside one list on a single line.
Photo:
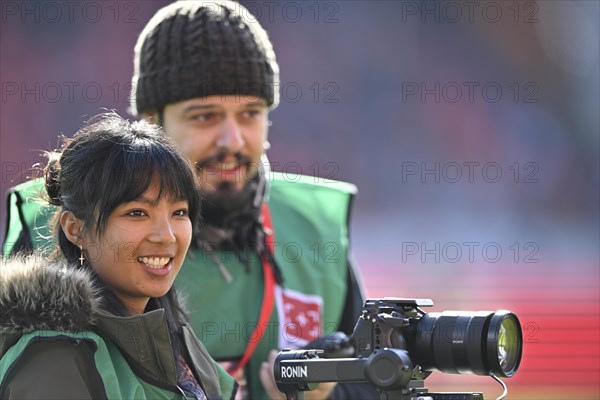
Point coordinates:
[(471, 129)]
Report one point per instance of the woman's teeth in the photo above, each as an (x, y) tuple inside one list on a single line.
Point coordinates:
[(154, 262)]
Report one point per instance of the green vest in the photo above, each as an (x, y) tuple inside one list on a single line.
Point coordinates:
[(310, 223), (118, 379), (311, 250), (29, 218)]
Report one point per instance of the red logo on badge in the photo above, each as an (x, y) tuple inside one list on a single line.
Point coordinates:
[(300, 315)]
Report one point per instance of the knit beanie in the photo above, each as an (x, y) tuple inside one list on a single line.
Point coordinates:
[(195, 49)]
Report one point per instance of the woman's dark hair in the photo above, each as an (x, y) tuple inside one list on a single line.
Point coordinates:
[(108, 162)]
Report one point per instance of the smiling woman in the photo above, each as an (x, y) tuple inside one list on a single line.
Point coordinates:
[(104, 308)]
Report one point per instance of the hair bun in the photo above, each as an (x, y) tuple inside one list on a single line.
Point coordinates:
[(52, 175)]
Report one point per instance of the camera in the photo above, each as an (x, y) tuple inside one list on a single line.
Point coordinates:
[(395, 345)]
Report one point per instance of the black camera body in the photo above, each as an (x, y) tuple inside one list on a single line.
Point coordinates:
[(396, 345)]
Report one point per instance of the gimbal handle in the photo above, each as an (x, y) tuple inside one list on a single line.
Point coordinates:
[(299, 370)]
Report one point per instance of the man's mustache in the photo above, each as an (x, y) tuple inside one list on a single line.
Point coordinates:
[(212, 161)]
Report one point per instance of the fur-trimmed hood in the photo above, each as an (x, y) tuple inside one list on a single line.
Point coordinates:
[(37, 294)]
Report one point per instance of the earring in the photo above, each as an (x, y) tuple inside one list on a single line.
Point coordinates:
[(81, 258)]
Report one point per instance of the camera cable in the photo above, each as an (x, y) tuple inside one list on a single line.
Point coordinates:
[(503, 395)]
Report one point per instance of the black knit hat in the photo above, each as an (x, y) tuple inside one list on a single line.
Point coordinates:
[(200, 48)]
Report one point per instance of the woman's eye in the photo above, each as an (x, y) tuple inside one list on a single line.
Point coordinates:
[(136, 213), (181, 213)]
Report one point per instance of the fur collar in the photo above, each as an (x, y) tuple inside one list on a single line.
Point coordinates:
[(37, 294)]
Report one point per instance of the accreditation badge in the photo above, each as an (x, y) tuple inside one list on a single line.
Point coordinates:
[(300, 317)]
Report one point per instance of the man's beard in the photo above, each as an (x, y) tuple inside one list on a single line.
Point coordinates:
[(231, 217), (225, 201)]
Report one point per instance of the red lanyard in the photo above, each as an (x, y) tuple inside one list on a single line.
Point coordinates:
[(268, 296)]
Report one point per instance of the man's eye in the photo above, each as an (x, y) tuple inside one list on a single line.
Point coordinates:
[(203, 117), (252, 113)]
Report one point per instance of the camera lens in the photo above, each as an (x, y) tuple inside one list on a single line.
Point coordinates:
[(454, 342), (504, 343)]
